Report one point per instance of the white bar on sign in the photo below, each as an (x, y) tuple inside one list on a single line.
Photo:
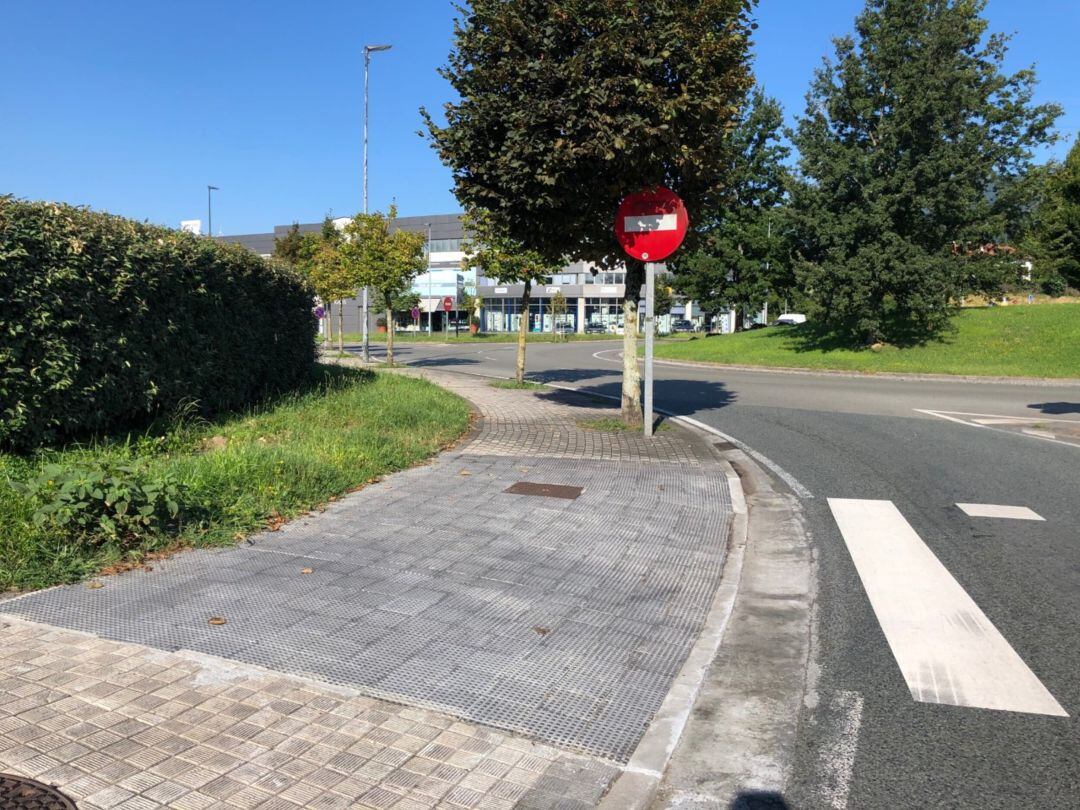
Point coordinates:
[(501, 290), (947, 649), (643, 223)]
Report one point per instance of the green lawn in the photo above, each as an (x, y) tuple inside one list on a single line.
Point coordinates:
[(239, 474), (1015, 341)]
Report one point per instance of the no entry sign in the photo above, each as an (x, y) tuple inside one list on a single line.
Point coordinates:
[(448, 304), (651, 224)]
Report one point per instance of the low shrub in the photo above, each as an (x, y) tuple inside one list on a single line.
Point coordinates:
[(106, 321)]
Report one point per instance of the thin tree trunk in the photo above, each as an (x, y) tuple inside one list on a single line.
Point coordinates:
[(328, 317), (389, 334), (523, 326), (341, 327), (631, 381)]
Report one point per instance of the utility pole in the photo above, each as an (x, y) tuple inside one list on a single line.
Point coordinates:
[(209, 210), (368, 51), (431, 309)]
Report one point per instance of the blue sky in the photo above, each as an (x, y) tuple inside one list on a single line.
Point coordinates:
[(135, 106)]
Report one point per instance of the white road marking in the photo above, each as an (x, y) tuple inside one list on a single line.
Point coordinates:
[(972, 421), (993, 510), (947, 649), (838, 756)]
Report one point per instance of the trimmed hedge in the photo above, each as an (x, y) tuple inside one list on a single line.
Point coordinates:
[(105, 321)]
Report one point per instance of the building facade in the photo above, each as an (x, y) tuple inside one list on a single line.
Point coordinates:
[(593, 299)]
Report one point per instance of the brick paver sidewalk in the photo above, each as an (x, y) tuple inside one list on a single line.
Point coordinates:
[(436, 639)]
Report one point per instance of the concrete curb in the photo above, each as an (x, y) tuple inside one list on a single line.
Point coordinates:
[(880, 375)]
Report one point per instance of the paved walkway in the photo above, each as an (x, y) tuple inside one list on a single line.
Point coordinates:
[(441, 638)]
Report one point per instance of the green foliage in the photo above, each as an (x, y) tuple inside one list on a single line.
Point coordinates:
[(322, 260), (566, 106), (911, 150), (740, 259), (289, 248), (108, 321), (501, 257), (231, 475), (381, 257), (1057, 228), (122, 503), (663, 300)]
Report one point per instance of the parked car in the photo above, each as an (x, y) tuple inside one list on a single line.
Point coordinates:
[(595, 329), (682, 325), (564, 329), (791, 319)]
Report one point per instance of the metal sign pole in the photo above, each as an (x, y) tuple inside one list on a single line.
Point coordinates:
[(650, 299)]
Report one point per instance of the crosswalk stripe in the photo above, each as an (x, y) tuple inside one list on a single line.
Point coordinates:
[(947, 649), (995, 510)]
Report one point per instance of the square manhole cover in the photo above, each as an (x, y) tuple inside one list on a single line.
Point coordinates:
[(544, 490)]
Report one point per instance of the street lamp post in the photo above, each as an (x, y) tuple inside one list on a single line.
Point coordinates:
[(431, 309), (209, 210), (368, 51)]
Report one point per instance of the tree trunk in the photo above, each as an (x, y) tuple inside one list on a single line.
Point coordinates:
[(523, 327), (389, 333), (328, 316), (631, 381), (341, 327)]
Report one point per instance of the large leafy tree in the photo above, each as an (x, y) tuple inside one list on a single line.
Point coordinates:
[(385, 259), (566, 106), (906, 135), (739, 262), (1056, 243), (508, 261)]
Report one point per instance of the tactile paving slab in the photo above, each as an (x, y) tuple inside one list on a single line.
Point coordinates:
[(561, 619)]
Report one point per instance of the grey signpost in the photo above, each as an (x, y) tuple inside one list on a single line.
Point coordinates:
[(650, 303), (650, 225)]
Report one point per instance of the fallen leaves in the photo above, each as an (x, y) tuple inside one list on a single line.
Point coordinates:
[(217, 620), (542, 631), (307, 570)]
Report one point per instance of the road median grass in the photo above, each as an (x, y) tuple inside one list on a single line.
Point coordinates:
[(1016, 341), (235, 475)]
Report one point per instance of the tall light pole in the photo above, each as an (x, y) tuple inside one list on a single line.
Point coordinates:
[(431, 307), (368, 51), (209, 210)]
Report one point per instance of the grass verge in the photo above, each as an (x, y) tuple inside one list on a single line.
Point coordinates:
[(239, 474), (1016, 341)]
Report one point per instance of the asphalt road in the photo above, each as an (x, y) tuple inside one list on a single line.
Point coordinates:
[(863, 741)]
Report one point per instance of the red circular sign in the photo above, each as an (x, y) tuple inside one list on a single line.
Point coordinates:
[(651, 224), (448, 303)]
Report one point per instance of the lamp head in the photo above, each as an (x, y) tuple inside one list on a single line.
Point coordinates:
[(375, 48)]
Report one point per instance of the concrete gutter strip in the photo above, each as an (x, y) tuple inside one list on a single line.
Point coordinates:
[(870, 375)]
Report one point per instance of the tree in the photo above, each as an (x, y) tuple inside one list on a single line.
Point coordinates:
[(557, 306), (508, 262), (1056, 234), (330, 276), (663, 300), (905, 137), (567, 106), (385, 259), (289, 248), (740, 240)]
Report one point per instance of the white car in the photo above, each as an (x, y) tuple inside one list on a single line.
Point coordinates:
[(790, 319)]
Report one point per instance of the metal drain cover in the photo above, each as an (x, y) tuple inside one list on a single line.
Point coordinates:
[(544, 490), (20, 793)]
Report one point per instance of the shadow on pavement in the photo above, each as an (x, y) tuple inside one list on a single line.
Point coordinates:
[(435, 362), (759, 800), (1056, 408), (680, 396)]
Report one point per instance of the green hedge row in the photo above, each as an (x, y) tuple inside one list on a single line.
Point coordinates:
[(105, 321)]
